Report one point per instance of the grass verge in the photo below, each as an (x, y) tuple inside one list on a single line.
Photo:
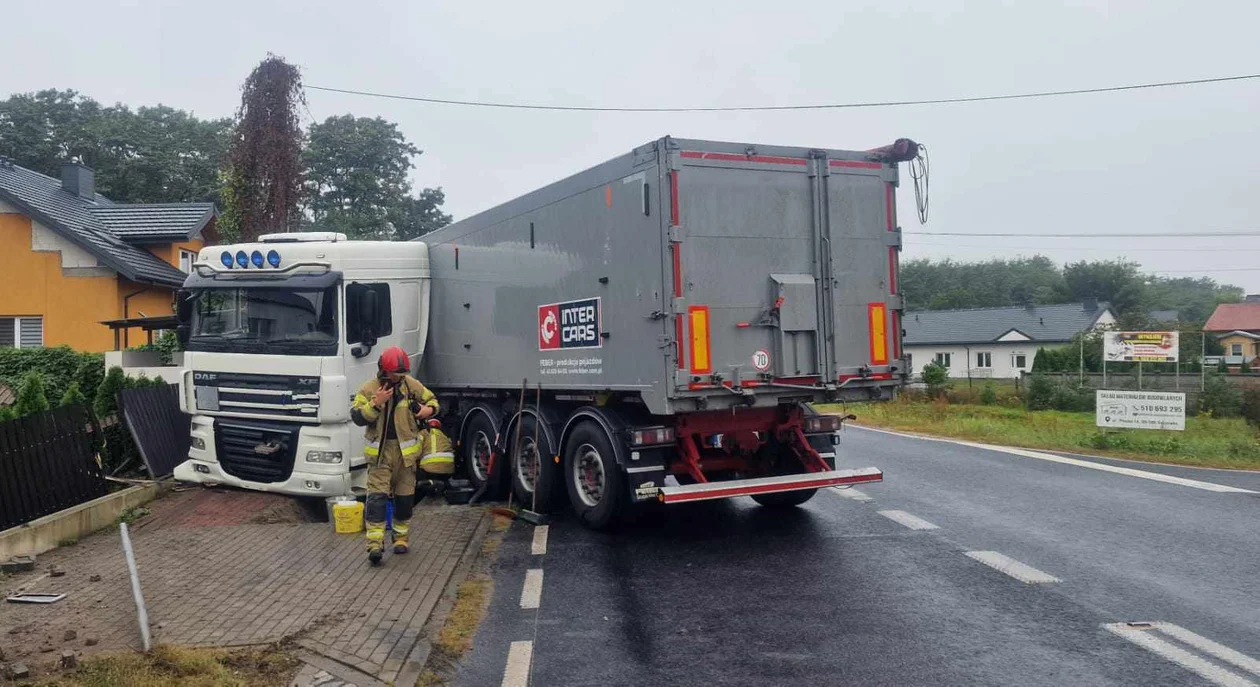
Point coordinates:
[(170, 665), (1206, 442)]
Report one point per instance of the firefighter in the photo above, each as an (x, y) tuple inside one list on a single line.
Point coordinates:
[(392, 407)]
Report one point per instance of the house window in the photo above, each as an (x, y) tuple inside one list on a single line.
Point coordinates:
[(1235, 349), (186, 260), (944, 359), (21, 332), (1019, 361), (984, 359)]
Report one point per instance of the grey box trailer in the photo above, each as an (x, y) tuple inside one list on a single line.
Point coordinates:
[(680, 305)]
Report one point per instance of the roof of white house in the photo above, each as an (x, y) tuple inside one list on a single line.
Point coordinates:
[(1040, 323)]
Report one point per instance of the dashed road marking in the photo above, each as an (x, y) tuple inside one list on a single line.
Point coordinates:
[(516, 674), (1145, 635), (531, 593), (1005, 564), (911, 521), (851, 493), (1130, 472), (539, 546)]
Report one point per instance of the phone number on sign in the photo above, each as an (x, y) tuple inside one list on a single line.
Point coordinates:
[(1156, 409)]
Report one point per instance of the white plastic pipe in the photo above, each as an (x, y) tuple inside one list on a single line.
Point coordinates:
[(145, 639)]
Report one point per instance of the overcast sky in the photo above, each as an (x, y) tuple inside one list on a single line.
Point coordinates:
[(1168, 160)]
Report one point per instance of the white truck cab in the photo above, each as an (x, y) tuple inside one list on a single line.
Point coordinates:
[(279, 335)]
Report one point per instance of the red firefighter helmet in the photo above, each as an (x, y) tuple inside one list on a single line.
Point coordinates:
[(393, 360)]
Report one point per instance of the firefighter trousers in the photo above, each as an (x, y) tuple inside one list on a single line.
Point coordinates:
[(390, 473)]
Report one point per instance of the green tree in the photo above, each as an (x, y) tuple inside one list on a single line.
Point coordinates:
[(988, 394), (1220, 398), (31, 397), (936, 377), (106, 403), (73, 396), (1117, 282), (151, 155), (89, 374), (1041, 362), (1041, 393), (6, 413), (264, 177)]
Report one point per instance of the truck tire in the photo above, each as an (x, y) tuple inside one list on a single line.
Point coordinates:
[(477, 447), (535, 470), (593, 478), (785, 499)]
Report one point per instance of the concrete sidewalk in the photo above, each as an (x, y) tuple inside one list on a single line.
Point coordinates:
[(225, 568)]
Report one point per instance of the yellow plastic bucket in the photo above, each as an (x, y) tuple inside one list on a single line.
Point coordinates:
[(346, 515)]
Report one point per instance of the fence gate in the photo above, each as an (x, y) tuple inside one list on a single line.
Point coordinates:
[(47, 464), (160, 430)]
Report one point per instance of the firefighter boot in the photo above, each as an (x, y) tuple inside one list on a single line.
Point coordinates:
[(402, 524), (375, 527)]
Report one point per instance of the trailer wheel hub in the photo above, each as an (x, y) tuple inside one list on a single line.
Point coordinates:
[(590, 477), (527, 464), (482, 451)]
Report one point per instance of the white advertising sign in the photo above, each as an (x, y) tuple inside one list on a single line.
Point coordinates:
[(1140, 410), (1146, 347)]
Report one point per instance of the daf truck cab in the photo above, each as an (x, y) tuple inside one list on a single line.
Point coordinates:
[(279, 334)]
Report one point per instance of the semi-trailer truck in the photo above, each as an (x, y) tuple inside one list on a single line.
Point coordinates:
[(672, 313)]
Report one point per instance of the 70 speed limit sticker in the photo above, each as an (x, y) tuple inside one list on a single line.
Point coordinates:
[(761, 360)]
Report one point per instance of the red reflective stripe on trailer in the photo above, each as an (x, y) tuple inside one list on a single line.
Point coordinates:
[(856, 164), (676, 255), (879, 375), (888, 204), (678, 341), (892, 270), (804, 483), (729, 157), (673, 198), (896, 323)]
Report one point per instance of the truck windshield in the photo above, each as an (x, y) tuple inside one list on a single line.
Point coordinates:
[(265, 320)]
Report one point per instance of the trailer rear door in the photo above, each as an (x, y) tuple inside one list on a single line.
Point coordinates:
[(782, 267)]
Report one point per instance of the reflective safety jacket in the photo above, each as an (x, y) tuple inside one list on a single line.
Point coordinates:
[(406, 426), (437, 454)]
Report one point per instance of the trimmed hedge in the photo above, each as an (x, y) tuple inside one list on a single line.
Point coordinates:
[(58, 366)]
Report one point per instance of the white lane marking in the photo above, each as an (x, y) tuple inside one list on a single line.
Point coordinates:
[(539, 546), (911, 521), (531, 593), (517, 672), (1012, 567), (1210, 647), (851, 493), (1130, 472), (1196, 664)]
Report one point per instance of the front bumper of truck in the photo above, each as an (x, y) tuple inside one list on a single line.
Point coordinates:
[(273, 457)]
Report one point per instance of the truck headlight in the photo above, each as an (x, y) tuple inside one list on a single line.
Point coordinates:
[(323, 457), (199, 443)]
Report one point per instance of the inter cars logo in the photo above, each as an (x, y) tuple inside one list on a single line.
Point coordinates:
[(573, 324)]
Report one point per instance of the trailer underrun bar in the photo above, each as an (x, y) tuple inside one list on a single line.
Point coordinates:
[(769, 485)]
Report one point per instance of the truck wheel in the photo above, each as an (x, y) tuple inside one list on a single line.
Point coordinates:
[(592, 476), (477, 448), (535, 474), (785, 499)]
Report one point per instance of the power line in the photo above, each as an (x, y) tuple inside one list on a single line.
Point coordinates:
[(767, 108), (1143, 235)]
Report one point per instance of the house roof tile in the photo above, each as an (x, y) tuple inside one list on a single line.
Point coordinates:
[(43, 198), (1234, 316), (1042, 323)]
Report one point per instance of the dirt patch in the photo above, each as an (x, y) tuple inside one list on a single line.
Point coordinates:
[(168, 665)]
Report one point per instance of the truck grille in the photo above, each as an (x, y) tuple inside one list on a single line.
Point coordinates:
[(256, 451), (284, 396)]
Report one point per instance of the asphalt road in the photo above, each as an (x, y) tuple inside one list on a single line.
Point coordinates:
[(843, 591)]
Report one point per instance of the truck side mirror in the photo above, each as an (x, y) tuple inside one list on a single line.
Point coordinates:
[(183, 306), (369, 308), (181, 334)]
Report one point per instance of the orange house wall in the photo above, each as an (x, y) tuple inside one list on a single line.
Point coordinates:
[(32, 283)]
